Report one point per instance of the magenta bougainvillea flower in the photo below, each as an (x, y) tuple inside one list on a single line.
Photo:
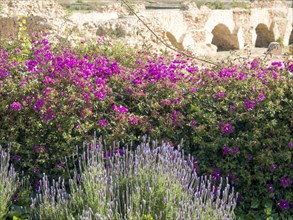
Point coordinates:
[(103, 122), (248, 104), (192, 122), (226, 127), (232, 108), (15, 106), (120, 109), (220, 95)]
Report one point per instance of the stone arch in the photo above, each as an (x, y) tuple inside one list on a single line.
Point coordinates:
[(291, 38), (223, 38), (264, 35)]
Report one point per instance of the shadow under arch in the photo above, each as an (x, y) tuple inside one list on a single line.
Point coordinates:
[(264, 36), (223, 38)]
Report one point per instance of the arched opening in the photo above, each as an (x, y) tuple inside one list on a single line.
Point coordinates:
[(223, 38), (264, 36), (291, 38)]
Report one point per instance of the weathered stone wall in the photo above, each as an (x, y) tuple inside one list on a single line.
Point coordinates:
[(200, 30), (8, 27)]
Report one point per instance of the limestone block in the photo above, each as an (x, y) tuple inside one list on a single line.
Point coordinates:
[(275, 48)]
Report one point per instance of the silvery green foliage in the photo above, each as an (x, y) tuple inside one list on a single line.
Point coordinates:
[(151, 183), (9, 182)]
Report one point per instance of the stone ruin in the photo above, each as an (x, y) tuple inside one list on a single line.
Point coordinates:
[(201, 31)]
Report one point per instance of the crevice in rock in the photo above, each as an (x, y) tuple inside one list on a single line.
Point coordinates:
[(291, 38)]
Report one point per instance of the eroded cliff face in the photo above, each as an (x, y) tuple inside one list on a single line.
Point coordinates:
[(201, 31)]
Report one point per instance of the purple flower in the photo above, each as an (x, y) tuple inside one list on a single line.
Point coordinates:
[(49, 116), (273, 167), (133, 120), (248, 104), (119, 152), (120, 109), (261, 167), (270, 186), (261, 97), (277, 63), (235, 150), (31, 64), (38, 184), (290, 144), (174, 115), (193, 123), (103, 122), (285, 182), (283, 204), (216, 175), (106, 155), (226, 127), (232, 108), (192, 89), (39, 104), (36, 170), (290, 68), (16, 157), (15, 106), (226, 150), (220, 94), (60, 165), (22, 83), (254, 63)]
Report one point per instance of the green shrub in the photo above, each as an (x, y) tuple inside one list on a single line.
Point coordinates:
[(218, 4), (154, 182), (236, 117), (9, 183)]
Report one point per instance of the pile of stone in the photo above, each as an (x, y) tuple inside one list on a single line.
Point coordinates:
[(47, 8)]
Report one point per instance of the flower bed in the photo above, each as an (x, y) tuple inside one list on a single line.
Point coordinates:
[(236, 119)]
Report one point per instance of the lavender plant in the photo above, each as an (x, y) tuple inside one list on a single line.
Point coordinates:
[(153, 182), (9, 182)]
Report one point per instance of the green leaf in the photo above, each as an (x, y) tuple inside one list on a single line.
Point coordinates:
[(254, 204), (268, 203), (268, 211)]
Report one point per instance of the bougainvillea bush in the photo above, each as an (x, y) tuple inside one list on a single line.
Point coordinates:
[(155, 181), (235, 118)]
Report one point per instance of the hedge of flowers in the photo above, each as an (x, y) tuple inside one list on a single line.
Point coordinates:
[(235, 118)]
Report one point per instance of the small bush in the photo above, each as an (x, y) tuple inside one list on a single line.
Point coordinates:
[(154, 182), (9, 183)]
